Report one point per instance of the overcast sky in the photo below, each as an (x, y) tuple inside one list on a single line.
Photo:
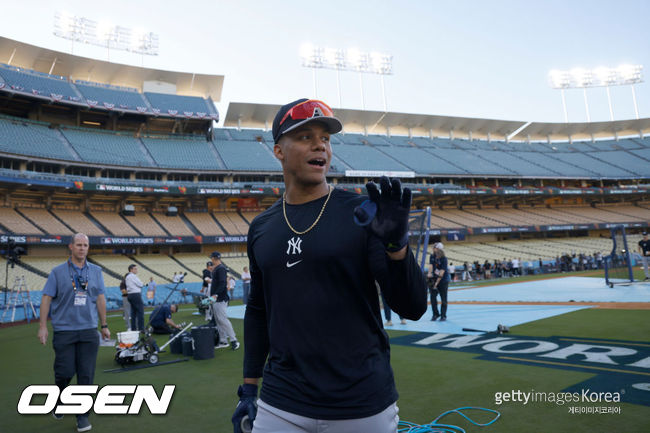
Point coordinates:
[(487, 59)]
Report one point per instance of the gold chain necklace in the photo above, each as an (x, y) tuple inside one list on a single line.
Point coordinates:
[(284, 211)]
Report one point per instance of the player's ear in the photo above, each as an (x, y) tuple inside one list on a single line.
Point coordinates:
[(278, 151)]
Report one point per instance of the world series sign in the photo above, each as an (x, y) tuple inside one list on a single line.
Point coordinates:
[(620, 366)]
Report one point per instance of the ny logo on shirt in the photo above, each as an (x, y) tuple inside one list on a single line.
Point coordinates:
[(294, 245)]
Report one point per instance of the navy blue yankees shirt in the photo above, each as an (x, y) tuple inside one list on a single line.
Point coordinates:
[(313, 328)]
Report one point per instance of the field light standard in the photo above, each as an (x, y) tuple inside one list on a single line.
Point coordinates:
[(104, 34), (579, 78), (347, 60)]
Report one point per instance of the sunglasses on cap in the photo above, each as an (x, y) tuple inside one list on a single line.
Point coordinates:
[(307, 110)]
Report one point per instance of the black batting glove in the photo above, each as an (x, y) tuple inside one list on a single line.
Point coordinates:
[(247, 407), (386, 213)]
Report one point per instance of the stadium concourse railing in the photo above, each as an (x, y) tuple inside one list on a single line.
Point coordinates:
[(102, 184)]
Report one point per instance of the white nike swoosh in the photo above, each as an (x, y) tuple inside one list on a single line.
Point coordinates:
[(292, 264)]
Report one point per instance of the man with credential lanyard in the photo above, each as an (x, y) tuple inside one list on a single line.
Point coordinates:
[(313, 327), (73, 297)]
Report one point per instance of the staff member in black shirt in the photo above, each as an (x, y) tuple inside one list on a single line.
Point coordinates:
[(219, 294), (440, 282), (644, 250), (161, 319), (313, 326)]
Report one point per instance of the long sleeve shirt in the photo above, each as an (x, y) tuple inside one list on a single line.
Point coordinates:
[(218, 286), (133, 284), (313, 327)]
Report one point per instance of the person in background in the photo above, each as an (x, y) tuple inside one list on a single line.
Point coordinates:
[(440, 282), (486, 269), (161, 319), (644, 250), (151, 291), (452, 271), (467, 275), (126, 307), (219, 295), (246, 284), (134, 290), (74, 298), (231, 286)]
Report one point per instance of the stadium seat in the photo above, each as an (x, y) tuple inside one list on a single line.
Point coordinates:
[(38, 84), (15, 223), (112, 97), (179, 105), (107, 147), (247, 156), (46, 221), (366, 158), (204, 223), (188, 153), (32, 138)]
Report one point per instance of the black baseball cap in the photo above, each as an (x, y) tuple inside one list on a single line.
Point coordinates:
[(302, 111), (208, 264), (215, 254), (645, 233)]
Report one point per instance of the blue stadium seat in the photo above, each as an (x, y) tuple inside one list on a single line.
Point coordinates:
[(597, 145), (602, 169), (472, 145), (107, 147), (555, 164), (245, 134), (366, 158), (29, 138), (515, 162), (624, 160), (377, 140), (472, 162), (443, 143), (38, 83), (178, 105), (268, 136), (400, 140), (522, 146), (629, 144), (422, 162), (221, 134), (373, 139), (641, 142), (109, 97), (247, 156), (642, 153), (423, 142), (183, 153)]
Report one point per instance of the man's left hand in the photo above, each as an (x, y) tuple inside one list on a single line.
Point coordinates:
[(106, 333), (390, 222)]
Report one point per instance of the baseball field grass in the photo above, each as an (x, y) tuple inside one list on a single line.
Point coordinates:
[(429, 381)]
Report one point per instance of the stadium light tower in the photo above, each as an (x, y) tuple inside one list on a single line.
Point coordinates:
[(347, 60), (104, 34), (579, 78)]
